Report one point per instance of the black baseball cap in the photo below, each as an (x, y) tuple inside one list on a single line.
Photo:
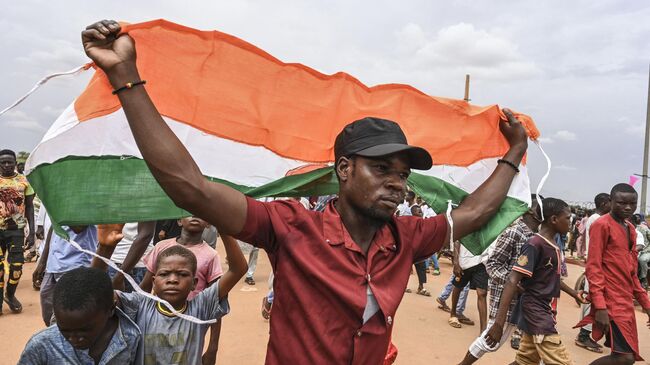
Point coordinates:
[(375, 137)]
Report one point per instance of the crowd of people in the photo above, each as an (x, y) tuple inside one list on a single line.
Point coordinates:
[(341, 264)]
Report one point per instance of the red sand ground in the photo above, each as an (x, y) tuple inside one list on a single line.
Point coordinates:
[(421, 333)]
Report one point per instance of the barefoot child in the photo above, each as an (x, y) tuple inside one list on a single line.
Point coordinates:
[(166, 338), (537, 271)]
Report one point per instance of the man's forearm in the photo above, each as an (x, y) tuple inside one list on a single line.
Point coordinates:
[(29, 214), (480, 206), (169, 162), (139, 246)]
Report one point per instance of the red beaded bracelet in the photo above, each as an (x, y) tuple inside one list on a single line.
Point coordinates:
[(129, 85)]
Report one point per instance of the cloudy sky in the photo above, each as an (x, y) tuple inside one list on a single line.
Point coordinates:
[(579, 68)]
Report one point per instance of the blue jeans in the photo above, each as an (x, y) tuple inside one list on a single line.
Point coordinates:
[(462, 300), (137, 274), (434, 258)]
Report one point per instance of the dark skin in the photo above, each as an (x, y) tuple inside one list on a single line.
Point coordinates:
[(481, 294), (8, 170), (88, 329), (182, 180), (139, 246), (39, 271), (108, 235), (191, 234), (554, 224), (531, 220), (623, 206)]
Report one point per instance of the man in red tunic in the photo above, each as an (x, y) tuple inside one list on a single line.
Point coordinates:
[(613, 282)]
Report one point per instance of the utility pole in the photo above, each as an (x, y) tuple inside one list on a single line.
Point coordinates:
[(467, 92), (644, 177)]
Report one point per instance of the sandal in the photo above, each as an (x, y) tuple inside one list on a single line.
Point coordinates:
[(436, 272), (266, 308), (249, 281), (453, 321), (464, 320), (443, 305), (424, 292), (407, 290)]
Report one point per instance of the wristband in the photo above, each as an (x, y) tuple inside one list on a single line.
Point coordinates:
[(514, 167), (129, 85)]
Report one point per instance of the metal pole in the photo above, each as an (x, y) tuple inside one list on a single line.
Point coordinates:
[(466, 88), (644, 180)]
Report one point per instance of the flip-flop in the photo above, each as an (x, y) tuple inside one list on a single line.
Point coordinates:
[(266, 308), (464, 320), (453, 321), (442, 305), (424, 292)]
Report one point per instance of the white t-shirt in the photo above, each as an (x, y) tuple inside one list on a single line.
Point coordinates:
[(130, 232), (590, 221), (467, 259)]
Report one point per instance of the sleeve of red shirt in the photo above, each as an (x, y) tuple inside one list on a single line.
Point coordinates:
[(258, 229), (428, 236), (598, 233)]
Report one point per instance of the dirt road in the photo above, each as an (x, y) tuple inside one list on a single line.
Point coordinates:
[(421, 333)]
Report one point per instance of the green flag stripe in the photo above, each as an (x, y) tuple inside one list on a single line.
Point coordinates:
[(114, 189)]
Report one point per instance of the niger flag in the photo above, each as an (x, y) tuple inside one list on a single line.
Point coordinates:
[(248, 119)]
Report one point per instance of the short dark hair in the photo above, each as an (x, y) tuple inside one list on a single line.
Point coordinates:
[(622, 188), (8, 152), (83, 288), (177, 250), (601, 199), (411, 193), (636, 219), (552, 206)]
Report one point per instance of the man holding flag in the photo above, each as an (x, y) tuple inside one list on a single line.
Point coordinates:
[(342, 272)]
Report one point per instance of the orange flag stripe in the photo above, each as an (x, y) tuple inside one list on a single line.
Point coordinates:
[(229, 88)]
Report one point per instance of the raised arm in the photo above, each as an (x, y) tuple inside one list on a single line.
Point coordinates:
[(108, 236), (167, 158), (237, 266), (477, 208), (137, 249)]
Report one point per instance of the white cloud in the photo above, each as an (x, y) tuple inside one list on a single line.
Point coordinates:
[(466, 49), (565, 135), (563, 167), (546, 140), (51, 111), (28, 125)]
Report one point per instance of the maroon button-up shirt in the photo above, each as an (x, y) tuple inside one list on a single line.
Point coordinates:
[(321, 280)]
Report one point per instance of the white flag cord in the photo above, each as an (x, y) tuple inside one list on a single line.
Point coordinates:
[(43, 81), (74, 244), (136, 287), (543, 180)]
